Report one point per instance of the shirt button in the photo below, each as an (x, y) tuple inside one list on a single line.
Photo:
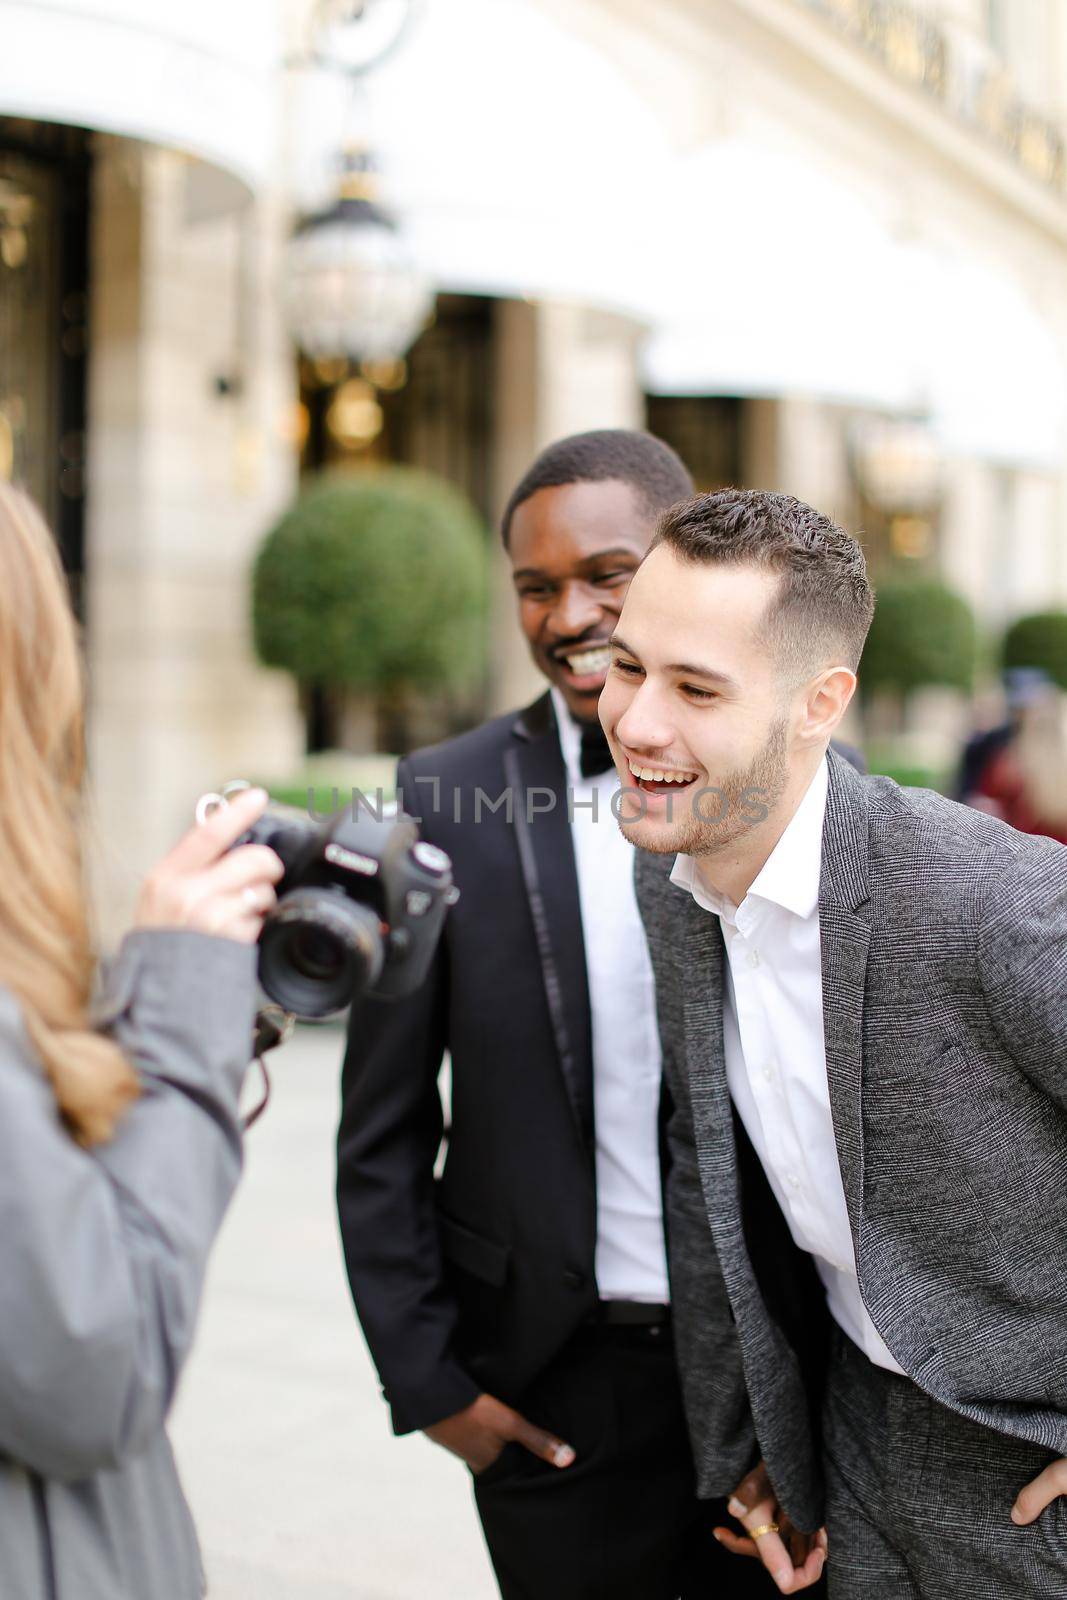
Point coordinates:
[(793, 1181), (768, 1071), (753, 958)]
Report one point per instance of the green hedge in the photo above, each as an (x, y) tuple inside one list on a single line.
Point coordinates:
[(335, 771), (377, 581), (923, 634), (890, 760), (1039, 640)]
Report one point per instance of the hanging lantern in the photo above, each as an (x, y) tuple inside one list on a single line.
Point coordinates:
[(352, 289), (352, 36)]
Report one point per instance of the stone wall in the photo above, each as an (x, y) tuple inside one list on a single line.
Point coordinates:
[(183, 481)]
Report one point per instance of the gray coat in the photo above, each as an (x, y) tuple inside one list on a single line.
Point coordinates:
[(944, 968), (102, 1258)]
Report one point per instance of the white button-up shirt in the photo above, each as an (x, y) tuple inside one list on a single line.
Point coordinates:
[(776, 1051), (631, 1254)]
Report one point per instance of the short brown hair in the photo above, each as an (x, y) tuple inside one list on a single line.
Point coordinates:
[(825, 601)]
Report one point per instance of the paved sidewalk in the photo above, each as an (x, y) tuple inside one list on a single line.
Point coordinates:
[(298, 1487)]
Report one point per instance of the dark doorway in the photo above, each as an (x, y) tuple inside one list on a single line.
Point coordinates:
[(434, 408), (706, 432), (44, 324)]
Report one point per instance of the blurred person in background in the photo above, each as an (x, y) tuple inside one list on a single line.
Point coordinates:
[(1019, 771), (996, 728), (518, 1308), (120, 1144)]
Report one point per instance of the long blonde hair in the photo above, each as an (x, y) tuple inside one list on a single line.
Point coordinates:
[(46, 955)]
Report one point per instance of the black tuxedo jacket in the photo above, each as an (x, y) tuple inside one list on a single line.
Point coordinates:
[(472, 1281)]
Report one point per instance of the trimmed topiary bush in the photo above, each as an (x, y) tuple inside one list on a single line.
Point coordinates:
[(375, 581), (1039, 640), (923, 634)]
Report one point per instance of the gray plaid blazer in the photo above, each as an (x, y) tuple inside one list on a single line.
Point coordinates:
[(944, 969)]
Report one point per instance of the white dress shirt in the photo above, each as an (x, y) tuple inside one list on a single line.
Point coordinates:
[(631, 1254), (776, 1052)]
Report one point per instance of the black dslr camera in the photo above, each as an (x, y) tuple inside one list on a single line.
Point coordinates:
[(360, 907)]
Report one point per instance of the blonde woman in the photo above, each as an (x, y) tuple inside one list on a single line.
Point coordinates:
[(119, 1145)]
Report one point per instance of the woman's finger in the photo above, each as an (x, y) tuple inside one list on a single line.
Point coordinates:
[(258, 899), (210, 839), (252, 863), (233, 916)]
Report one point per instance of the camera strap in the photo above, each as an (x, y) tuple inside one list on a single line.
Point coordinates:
[(272, 1027)]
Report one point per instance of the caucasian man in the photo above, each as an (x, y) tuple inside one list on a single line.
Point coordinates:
[(862, 994)]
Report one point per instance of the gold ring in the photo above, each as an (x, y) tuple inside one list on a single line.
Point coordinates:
[(764, 1527)]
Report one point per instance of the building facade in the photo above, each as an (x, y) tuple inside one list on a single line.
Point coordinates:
[(818, 244), (146, 385)]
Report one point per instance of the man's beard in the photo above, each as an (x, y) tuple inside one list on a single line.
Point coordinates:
[(716, 815)]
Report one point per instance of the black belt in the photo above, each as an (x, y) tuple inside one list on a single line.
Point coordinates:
[(629, 1314)]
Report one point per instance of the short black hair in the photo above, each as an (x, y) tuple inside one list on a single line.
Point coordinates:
[(825, 602), (656, 473)]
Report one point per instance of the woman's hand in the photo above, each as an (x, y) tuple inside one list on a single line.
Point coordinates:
[(204, 887)]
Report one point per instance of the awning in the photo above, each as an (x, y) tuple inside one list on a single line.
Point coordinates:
[(786, 282), (997, 378), (524, 162), (779, 281), (198, 76), (521, 161)]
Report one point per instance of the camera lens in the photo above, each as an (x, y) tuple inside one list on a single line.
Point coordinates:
[(319, 951), (316, 954)]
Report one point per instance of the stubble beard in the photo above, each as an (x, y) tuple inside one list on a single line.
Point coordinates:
[(717, 815)]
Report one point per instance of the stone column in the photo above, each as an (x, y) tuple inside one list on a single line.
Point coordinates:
[(560, 368), (184, 479), (799, 447), (974, 536), (964, 14)]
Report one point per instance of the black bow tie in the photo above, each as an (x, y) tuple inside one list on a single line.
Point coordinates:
[(596, 753)]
